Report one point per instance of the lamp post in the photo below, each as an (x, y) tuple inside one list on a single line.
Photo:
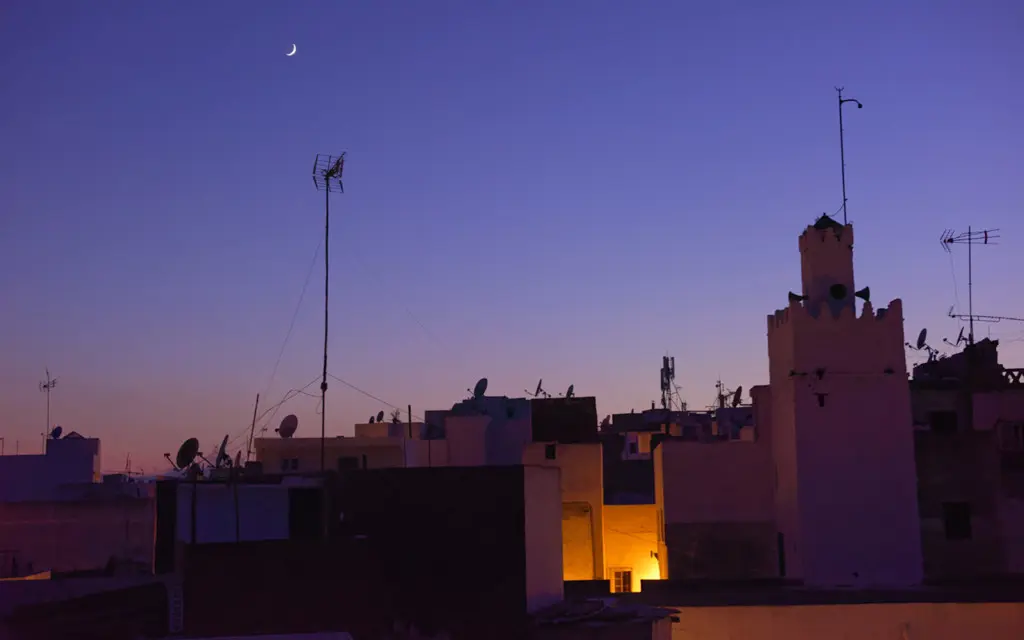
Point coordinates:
[(842, 152)]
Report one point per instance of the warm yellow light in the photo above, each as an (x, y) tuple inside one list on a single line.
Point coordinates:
[(648, 570)]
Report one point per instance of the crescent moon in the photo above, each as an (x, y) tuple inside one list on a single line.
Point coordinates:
[(294, 49)]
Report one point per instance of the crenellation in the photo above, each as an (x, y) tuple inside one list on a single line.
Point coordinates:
[(801, 312), (842, 235)]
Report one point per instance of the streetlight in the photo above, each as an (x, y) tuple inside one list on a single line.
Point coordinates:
[(842, 153)]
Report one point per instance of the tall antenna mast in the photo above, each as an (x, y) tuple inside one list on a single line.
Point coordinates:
[(46, 387), (668, 376), (970, 238), (842, 151), (327, 172)]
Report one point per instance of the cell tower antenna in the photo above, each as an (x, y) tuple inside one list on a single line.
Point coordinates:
[(970, 238), (668, 376), (842, 151), (327, 174), (47, 386)]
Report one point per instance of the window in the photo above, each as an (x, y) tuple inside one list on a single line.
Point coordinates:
[(956, 517), (661, 525), (632, 448), (622, 581), (550, 451), (289, 464), (942, 421)]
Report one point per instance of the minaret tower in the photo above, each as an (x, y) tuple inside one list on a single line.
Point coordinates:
[(846, 487)]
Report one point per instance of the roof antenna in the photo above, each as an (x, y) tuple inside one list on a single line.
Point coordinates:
[(668, 376), (737, 397), (922, 345), (971, 238), (480, 388), (288, 426), (46, 387), (539, 392), (187, 452), (842, 152), (327, 172)]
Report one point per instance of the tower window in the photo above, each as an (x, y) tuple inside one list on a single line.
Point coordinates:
[(956, 517), (549, 451), (837, 291)]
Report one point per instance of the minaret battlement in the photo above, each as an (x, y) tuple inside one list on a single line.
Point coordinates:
[(807, 313), (826, 232)]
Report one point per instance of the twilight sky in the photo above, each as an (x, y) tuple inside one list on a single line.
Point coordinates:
[(561, 189)]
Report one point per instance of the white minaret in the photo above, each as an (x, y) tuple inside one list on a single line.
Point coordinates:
[(846, 485)]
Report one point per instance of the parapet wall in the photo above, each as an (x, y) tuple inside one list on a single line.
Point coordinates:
[(813, 238), (801, 336), (810, 313)]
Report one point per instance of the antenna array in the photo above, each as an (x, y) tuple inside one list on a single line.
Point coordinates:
[(46, 387), (971, 238), (327, 175)]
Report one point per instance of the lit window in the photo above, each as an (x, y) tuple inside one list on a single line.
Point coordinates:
[(622, 581)]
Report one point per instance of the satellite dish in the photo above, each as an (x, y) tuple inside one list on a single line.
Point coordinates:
[(222, 453), (737, 397), (606, 422), (539, 388), (864, 294), (57, 430), (959, 339), (187, 452), (380, 416), (570, 392), (793, 297), (480, 388), (372, 419), (288, 426), (238, 459), (921, 337)]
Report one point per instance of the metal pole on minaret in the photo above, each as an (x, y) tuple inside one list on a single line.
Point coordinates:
[(842, 151), (327, 172), (46, 387)]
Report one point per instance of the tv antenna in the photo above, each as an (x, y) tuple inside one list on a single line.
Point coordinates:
[(539, 392), (842, 151), (46, 387), (971, 238), (959, 339), (480, 388), (289, 424), (921, 344), (187, 453), (722, 394), (737, 396), (668, 376), (223, 458), (327, 174)]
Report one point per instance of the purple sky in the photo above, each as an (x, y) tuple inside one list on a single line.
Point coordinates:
[(566, 190)]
